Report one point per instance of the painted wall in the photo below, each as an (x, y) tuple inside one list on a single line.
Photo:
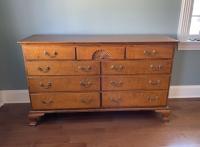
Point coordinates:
[(21, 18)]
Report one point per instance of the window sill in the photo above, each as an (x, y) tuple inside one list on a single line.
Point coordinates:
[(189, 45)]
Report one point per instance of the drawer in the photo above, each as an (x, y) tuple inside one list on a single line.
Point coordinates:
[(135, 82), (63, 67), (136, 67), (100, 52), (48, 101), (134, 99), (64, 83), (48, 51), (149, 51)]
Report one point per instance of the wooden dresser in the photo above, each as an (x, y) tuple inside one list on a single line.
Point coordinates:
[(86, 73)]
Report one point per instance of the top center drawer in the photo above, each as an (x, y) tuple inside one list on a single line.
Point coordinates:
[(101, 52)]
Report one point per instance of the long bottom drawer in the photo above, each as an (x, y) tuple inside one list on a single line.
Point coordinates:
[(134, 99), (49, 101)]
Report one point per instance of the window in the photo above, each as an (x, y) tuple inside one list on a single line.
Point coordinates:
[(189, 25), (195, 22)]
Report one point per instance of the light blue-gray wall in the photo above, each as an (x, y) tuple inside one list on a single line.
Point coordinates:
[(21, 18)]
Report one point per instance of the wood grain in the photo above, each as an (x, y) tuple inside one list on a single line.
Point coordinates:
[(149, 51), (136, 67), (48, 51), (132, 69), (103, 129), (131, 99), (107, 52), (48, 101), (135, 82), (41, 38), (64, 83), (63, 68)]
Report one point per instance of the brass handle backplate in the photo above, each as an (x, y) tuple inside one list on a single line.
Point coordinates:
[(152, 98), (85, 68), (154, 82), (150, 53), (116, 83), (86, 101), (86, 83), (47, 101), (49, 84), (117, 67), (116, 100), (44, 69), (156, 67), (53, 55)]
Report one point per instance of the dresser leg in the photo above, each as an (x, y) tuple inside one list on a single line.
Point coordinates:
[(34, 117), (165, 113)]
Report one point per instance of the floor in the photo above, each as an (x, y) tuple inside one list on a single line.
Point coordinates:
[(113, 129)]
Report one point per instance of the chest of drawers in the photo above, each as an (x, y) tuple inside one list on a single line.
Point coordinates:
[(97, 73)]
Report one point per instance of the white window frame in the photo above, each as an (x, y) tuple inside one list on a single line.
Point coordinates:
[(184, 27)]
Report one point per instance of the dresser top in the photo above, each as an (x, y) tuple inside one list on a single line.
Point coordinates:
[(96, 39)]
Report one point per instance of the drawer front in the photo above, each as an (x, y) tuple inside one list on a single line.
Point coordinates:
[(135, 82), (63, 67), (136, 67), (134, 99), (48, 51), (66, 83), (48, 101), (100, 52), (149, 51)]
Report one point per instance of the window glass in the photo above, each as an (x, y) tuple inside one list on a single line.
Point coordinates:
[(195, 26), (196, 7), (195, 20)]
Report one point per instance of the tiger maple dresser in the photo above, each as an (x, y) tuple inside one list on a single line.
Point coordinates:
[(78, 73)]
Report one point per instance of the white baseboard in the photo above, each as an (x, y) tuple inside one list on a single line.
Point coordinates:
[(22, 96), (14, 96), (184, 91)]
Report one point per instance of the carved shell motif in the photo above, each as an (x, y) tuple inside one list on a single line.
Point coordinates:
[(100, 55)]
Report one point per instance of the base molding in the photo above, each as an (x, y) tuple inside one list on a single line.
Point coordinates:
[(22, 96), (184, 91), (14, 96)]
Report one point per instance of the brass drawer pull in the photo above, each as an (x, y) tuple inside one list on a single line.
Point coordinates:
[(156, 82), (117, 67), (152, 98), (85, 68), (86, 101), (150, 53), (156, 67), (116, 100), (44, 69), (51, 55), (116, 83), (86, 83), (47, 101), (49, 84)]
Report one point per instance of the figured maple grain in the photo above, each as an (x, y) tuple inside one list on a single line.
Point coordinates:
[(48, 51), (149, 51), (138, 82), (64, 83), (136, 67), (104, 52), (49, 101), (132, 72), (122, 99), (63, 67)]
